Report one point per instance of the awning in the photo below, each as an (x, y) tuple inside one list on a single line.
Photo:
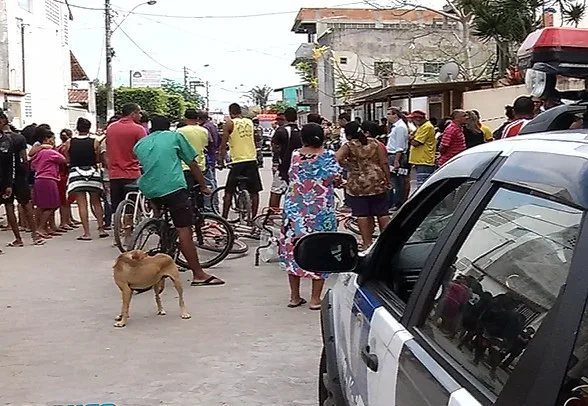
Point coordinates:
[(418, 90)]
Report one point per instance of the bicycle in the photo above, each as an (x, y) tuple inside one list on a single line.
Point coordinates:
[(240, 203), (213, 234), (129, 213)]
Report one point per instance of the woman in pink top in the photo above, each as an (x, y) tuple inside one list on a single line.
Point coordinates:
[(46, 164)]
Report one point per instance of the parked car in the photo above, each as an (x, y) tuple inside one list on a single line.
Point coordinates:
[(476, 292)]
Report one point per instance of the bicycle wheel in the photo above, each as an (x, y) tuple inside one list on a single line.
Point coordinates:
[(219, 193), (269, 220), (213, 240), (123, 232), (352, 225), (239, 247), (146, 237)]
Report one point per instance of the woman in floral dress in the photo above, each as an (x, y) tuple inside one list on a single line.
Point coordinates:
[(309, 207)]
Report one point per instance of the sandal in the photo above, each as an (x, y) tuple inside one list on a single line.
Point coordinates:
[(44, 236), (314, 307), (82, 238), (15, 244), (212, 281), (103, 234), (73, 226), (39, 242), (300, 303)]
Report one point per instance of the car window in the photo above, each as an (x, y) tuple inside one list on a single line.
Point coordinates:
[(406, 265), (574, 391), (502, 283), (436, 221)]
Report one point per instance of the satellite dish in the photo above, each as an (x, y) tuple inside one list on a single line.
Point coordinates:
[(449, 72)]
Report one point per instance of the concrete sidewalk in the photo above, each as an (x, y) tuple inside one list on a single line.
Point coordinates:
[(241, 347)]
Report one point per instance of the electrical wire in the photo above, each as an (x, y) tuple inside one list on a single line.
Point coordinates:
[(146, 53), (209, 17)]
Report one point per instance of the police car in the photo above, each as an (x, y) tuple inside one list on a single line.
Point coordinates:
[(476, 293)]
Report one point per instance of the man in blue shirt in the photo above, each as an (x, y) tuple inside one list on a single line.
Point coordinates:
[(163, 182), (214, 141)]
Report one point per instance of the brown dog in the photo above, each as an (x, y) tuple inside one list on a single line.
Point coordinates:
[(137, 271)]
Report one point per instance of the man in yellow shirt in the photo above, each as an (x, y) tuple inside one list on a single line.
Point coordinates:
[(423, 146), (239, 135), (197, 137)]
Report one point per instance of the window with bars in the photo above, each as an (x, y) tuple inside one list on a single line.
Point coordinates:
[(52, 11), (28, 106), (384, 69), (432, 68), (65, 30)]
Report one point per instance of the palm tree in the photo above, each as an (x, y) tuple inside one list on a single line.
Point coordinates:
[(260, 95)]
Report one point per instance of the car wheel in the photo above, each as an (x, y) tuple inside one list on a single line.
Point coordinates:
[(324, 396)]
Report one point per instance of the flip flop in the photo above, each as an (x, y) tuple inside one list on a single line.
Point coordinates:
[(209, 282), (15, 244), (39, 242), (103, 234), (293, 306), (73, 225), (84, 238), (315, 307)]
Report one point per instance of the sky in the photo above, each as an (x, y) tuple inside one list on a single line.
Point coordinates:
[(243, 52)]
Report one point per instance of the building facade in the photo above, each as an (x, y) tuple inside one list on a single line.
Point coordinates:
[(36, 68), (302, 97), (356, 49)]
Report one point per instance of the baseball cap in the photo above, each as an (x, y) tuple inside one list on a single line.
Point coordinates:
[(417, 114)]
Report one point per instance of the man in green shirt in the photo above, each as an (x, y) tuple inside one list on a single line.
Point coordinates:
[(161, 155)]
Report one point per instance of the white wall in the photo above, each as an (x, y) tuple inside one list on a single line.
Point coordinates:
[(48, 70), (492, 113)]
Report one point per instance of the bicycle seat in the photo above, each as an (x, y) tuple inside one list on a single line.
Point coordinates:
[(131, 187)]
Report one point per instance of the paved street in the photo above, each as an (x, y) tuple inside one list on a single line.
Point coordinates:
[(241, 347)]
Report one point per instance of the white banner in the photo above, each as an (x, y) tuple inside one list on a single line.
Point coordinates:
[(145, 78)]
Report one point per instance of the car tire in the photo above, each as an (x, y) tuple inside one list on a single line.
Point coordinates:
[(325, 398)]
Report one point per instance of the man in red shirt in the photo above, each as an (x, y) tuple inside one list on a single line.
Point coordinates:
[(123, 166), (453, 139), (524, 111)]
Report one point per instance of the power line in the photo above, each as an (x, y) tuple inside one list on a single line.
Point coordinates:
[(208, 17), (145, 52)]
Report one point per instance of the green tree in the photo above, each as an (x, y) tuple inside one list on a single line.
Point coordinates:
[(173, 87), (175, 106), (260, 95), (278, 107)]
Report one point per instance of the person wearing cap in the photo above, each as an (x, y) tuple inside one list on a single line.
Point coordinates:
[(423, 146)]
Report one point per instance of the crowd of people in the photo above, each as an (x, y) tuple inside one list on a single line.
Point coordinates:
[(372, 163)]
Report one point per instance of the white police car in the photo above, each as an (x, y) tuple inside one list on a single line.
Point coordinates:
[(476, 293)]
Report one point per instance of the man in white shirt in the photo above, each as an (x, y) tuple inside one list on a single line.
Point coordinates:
[(343, 120), (397, 148)]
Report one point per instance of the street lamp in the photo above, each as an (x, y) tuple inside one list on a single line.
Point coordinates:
[(110, 51)]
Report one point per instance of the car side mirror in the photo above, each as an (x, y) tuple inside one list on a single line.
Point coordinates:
[(327, 252)]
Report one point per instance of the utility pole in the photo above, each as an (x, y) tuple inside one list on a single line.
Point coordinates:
[(207, 96), (186, 79), (109, 57)]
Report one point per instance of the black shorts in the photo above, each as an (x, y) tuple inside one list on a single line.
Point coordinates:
[(247, 170), (180, 209), (21, 191), (118, 191)]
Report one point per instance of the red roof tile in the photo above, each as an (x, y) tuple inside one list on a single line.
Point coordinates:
[(77, 72), (77, 96)]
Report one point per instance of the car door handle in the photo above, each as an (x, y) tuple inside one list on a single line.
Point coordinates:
[(371, 360)]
